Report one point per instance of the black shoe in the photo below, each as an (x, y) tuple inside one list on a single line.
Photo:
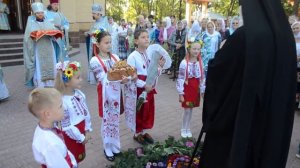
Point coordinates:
[(109, 158), (117, 154)]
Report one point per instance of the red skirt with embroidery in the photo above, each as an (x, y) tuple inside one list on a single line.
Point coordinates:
[(145, 117), (191, 93), (77, 149)]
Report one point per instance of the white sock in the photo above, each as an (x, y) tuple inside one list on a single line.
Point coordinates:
[(108, 150), (115, 149), (189, 117), (185, 118)]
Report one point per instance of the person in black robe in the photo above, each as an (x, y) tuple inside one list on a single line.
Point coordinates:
[(248, 109)]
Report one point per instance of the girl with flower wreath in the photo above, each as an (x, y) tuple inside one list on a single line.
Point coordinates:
[(190, 84), (109, 95), (76, 125)]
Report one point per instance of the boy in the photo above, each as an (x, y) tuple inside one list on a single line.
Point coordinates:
[(48, 145)]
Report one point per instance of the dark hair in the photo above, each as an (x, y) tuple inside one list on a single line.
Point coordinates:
[(173, 16), (138, 32), (101, 35), (122, 20), (49, 7), (150, 17), (110, 17)]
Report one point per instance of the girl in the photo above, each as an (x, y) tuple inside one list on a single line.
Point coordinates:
[(109, 94), (190, 78), (76, 124)]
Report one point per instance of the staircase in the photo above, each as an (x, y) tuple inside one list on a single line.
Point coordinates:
[(11, 50)]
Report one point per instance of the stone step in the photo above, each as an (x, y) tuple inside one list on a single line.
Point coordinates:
[(11, 56), (11, 50), (11, 44), (11, 62), (9, 40)]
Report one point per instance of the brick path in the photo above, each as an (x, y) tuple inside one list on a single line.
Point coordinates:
[(17, 124)]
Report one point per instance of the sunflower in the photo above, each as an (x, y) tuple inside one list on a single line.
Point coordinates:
[(69, 72)]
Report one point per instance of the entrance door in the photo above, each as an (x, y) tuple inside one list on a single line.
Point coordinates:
[(19, 12)]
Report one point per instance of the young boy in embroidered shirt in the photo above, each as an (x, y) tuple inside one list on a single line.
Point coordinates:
[(48, 145)]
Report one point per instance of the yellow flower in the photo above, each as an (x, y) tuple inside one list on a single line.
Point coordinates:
[(69, 72), (97, 31)]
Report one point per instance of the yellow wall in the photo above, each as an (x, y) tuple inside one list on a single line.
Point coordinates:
[(78, 12)]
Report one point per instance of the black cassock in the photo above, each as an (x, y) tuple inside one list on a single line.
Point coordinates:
[(248, 106)]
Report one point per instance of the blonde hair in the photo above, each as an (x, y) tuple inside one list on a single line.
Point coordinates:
[(59, 83), (40, 98)]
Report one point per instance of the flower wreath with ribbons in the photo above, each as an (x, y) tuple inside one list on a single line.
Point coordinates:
[(192, 41), (69, 69), (96, 33)]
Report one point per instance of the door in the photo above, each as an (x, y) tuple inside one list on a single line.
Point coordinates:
[(19, 12)]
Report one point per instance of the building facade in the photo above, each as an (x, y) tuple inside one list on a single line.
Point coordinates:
[(78, 12)]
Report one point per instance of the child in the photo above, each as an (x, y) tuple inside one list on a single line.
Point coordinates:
[(76, 123), (190, 78), (129, 41), (140, 59), (48, 145), (109, 94)]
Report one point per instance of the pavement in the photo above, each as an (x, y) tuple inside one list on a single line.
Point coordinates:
[(17, 125)]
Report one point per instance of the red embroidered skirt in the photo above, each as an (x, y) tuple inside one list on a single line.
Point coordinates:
[(191, 93), (77, 149), (145, 117)]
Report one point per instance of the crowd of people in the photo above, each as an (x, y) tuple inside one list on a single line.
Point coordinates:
[(151, 47)]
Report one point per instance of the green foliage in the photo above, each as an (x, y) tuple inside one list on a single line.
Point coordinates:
[(130, 9), (155, 152), (224, 7), (114, 8)]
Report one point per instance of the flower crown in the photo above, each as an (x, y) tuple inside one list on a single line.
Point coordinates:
[(95, 34), (69, 69), (192, 41)]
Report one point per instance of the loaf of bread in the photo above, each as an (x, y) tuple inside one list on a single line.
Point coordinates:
[(120, 69)]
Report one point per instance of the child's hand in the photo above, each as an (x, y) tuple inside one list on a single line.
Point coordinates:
[(181, 98), (202, 95), (87, 137), (124, 80), (134, 78), (162, 62), (148, 88)]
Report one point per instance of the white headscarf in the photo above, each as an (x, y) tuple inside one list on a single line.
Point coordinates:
[(297, 36), (231, 30), (168, 25)]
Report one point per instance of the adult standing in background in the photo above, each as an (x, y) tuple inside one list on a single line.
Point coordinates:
[(248, 109), (40, 56), (4, 12), (61, 23), (113, 31), (101, 21), (122, 34)]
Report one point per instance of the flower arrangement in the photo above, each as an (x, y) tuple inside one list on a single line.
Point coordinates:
[(169, 154), (193, 40), (96, 33), (69, 69)]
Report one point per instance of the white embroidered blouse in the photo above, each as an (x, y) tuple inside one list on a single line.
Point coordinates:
[(50, 150), (75, 111), (193, 72), (98, 69)]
